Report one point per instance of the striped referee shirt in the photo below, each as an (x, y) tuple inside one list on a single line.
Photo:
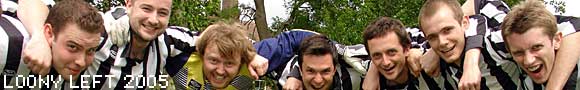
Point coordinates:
[(498, 70), (567, 25), (9, 7), (111, 59), (13, 37)]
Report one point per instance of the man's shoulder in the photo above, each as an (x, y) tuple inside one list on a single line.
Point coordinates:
[(115, 13)]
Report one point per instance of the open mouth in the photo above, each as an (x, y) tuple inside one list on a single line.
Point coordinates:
[(389, 69), (534, 69), (219, 79)]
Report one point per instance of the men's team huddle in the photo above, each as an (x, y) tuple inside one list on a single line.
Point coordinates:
[(482, 44)]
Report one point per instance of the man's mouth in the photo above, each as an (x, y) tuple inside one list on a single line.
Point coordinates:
[(74, 71), (534, 69), (447, 50), (389, 69), (219, 79), (148, 27), (317, 88)]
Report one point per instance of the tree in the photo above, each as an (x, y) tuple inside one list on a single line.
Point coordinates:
[(261, 24), (344, 20)]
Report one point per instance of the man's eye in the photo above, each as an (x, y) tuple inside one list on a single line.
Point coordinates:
[(146, 9), (163, 14), (537, 47), (518, 54), (377, 56), (72, 47), (212, 61), (392, 52)]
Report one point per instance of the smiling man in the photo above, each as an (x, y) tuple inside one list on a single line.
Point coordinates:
[(140, 42), (533, 38), (221, 63), (388, 45), (466, 41), (318, 63), (72, 35)]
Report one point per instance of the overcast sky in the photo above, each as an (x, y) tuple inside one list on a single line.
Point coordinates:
[(273, 8)]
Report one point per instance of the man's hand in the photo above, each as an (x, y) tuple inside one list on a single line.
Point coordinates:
[(117, 29), (430, 63), (471, 78), (414, 61), (37, 55), (258, 66), (371, 78), (292, 84)]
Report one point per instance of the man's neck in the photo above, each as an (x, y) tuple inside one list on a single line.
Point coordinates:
[(138, 47), (457, 63), (402, 79)]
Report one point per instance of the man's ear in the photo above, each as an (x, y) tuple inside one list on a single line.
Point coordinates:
[(557, 40), (48, 34), (129, 5), (465, 22), (406, 51)]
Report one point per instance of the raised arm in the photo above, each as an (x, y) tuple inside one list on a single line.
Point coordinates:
[(567, 55), (36, 54)]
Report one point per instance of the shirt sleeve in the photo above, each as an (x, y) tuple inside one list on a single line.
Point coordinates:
[(282, 48)]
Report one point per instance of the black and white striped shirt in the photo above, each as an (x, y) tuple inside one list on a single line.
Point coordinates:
[(9, 7), (567, 25), (111, 59), (497, 68), (13, 38)]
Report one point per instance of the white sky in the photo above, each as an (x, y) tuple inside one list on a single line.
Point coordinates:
[(273, 8)]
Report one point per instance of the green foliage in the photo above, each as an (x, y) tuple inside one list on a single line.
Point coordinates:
[(105, 5), (344, 20), (194, 14)]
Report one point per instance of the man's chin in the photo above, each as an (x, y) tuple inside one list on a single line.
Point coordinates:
[(318, 88), (218, 86)]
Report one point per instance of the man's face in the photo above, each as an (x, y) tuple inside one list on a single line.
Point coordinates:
[(73, 50), (534, 52), (445, 34), (218, 70), (149, 18), (388, 55), (317, 71)]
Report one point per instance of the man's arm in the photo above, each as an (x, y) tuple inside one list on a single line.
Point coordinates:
[(36, 54), (566, 58), (278, 51), (471, 77), (371, 79)]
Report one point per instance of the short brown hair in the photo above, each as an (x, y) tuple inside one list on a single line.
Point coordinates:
[(317, 45), (75, 12), (527, 15), (229, 39), (382, 26), (432, 6)]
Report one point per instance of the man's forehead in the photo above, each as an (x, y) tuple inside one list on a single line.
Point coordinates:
[(159, 3), (317, 61), (84, 39)]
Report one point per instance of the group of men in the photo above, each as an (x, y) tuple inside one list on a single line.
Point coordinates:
[(484, 46)]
